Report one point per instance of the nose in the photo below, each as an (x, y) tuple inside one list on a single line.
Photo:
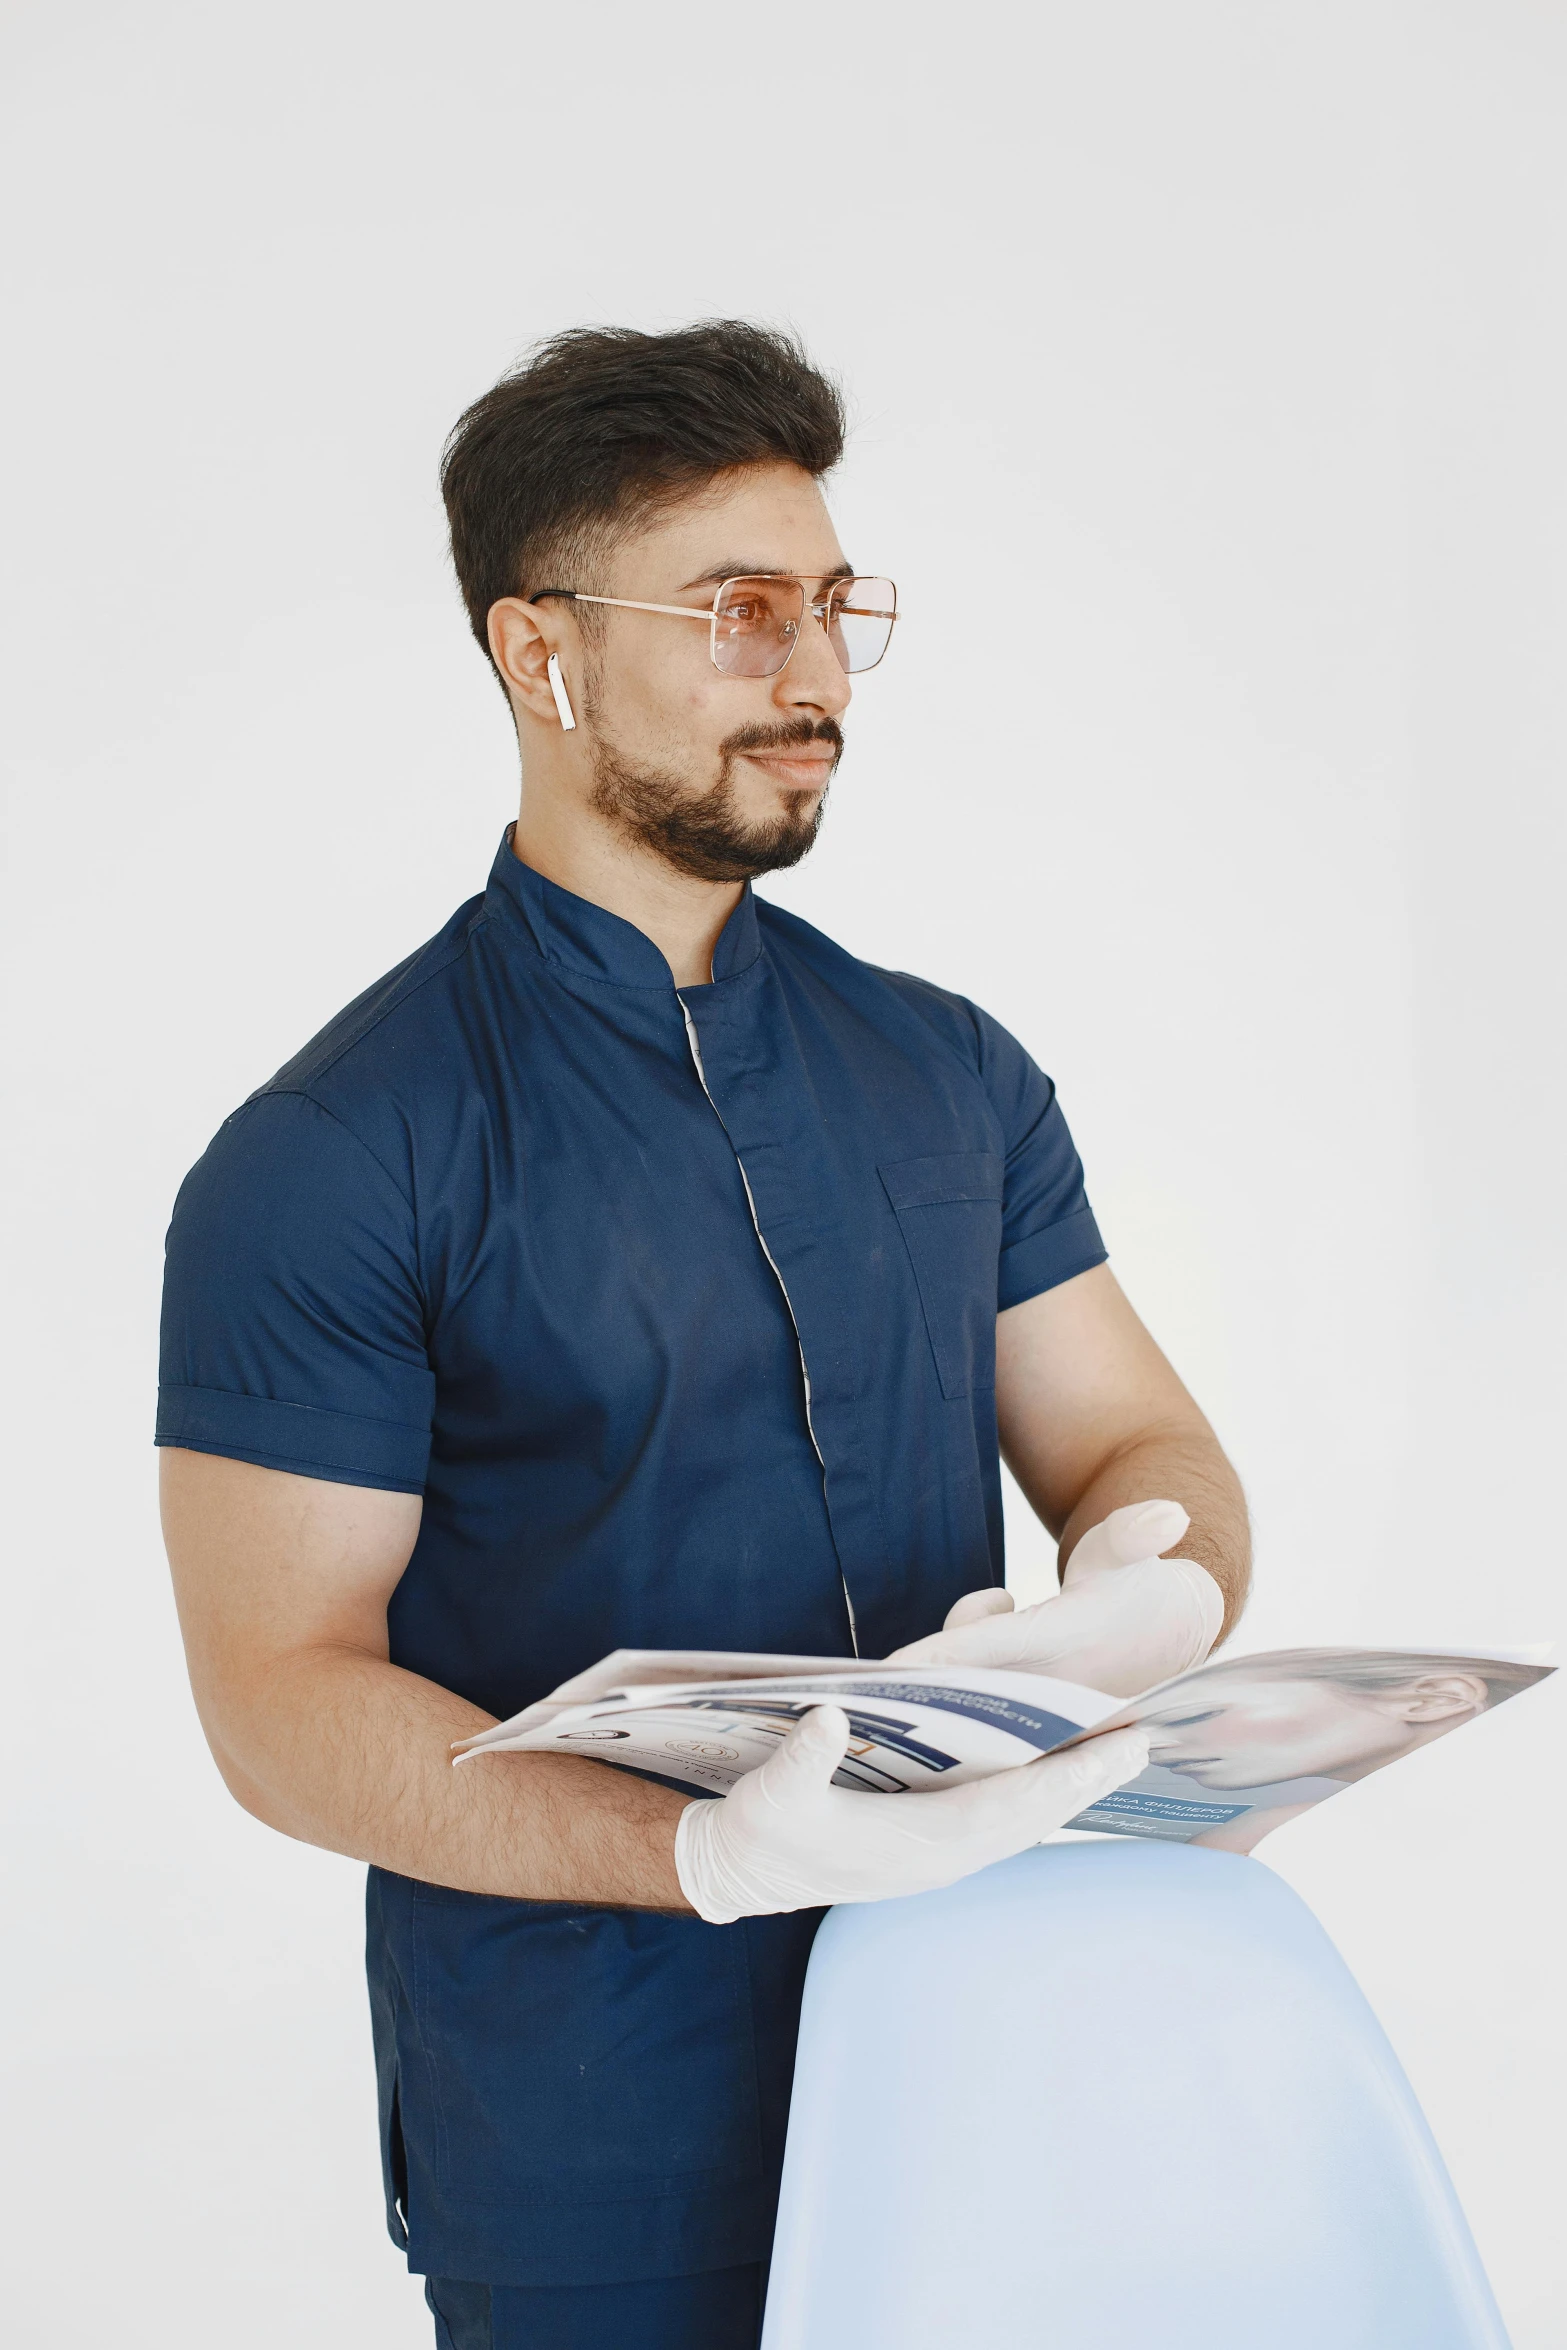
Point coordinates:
[(815, 682)]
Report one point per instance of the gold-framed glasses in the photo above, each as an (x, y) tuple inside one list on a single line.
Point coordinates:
[(755, 623)]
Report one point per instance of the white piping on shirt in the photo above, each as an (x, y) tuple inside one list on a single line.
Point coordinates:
[(694, 1042)]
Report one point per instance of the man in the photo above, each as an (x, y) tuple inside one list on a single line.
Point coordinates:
[(633, 1266)]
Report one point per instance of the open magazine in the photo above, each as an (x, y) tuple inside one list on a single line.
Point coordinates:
[(1238, 1745)]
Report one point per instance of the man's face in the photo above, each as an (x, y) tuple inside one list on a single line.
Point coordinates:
[(1234, 1730), (723, 777)]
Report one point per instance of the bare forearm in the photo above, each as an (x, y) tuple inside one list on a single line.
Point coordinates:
[(1184, 1464), (1092, 1416), (344, 1750), (282, 1583)]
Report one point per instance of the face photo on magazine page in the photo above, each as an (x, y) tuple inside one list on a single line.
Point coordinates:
[(1262, 1739)]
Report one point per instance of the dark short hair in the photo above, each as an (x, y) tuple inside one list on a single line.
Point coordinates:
[(602, 426)]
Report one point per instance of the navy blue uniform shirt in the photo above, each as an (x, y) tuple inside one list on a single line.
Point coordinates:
[(678, 1308)]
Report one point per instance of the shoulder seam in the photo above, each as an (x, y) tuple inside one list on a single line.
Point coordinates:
[(946, 995), (408, 988), (302, 1093)]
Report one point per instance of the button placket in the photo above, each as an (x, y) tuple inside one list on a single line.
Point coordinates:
[(693, 1039)]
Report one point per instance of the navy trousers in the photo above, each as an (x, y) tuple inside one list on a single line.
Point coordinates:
[(718, 2310)]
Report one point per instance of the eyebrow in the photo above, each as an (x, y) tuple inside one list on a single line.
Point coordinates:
[(731, 570)]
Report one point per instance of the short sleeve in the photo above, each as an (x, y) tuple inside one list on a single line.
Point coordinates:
[(293, 1324), (1048, 1233)]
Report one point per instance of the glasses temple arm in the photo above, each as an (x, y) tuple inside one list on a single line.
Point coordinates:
[(624, 603)]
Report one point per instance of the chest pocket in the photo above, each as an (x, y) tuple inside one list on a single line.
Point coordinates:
[(949, 1210)]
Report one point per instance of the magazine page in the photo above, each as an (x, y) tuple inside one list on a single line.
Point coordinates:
[(912, 1727), (1239, 1745), (1245, 1743), (635, 1668)]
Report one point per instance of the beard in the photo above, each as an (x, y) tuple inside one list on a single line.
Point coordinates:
[(704, 834)]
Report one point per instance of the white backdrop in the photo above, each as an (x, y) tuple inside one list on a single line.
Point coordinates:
[(1209, 369)]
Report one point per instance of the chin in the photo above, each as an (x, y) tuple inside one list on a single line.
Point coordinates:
[(774, 847), (784, 812)]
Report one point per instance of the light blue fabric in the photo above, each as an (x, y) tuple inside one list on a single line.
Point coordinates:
[(1107, 2097)]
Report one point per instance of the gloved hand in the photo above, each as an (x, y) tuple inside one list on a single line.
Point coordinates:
[(1124, 1617), (785, 1837)]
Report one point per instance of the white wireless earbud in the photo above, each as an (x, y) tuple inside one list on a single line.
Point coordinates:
[(563, 706)]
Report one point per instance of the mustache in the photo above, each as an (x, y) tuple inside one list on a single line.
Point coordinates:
[(793, 735)]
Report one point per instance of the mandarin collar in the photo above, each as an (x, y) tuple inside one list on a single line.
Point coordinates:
[(593, 943)]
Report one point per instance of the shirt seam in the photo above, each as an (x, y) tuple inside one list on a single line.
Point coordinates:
[(1073, 1261), (1051, 1224), (295, 1464), (977, 1020), (899, 980), (302, 1092), (405, 993), (172, 1387)]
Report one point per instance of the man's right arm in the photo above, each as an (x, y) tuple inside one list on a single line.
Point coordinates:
[(282, 1584)]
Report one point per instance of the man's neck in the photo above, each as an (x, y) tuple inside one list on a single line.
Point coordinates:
[(682, 916)]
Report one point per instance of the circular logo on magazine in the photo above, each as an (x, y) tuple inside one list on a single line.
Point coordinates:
[(592, 1737), (703, 1749)]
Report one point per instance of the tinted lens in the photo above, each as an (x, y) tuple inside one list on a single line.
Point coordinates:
[(859, 620), (758, 625)]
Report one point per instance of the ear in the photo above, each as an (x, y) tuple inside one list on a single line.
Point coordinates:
[(1437, 1697), (522, 638)]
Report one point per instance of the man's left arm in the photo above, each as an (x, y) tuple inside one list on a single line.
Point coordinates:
[(1123, 1469), (1093, 1418)]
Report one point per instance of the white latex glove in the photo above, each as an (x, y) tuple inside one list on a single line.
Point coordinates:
[(785, 1837), (1124, 1618)]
